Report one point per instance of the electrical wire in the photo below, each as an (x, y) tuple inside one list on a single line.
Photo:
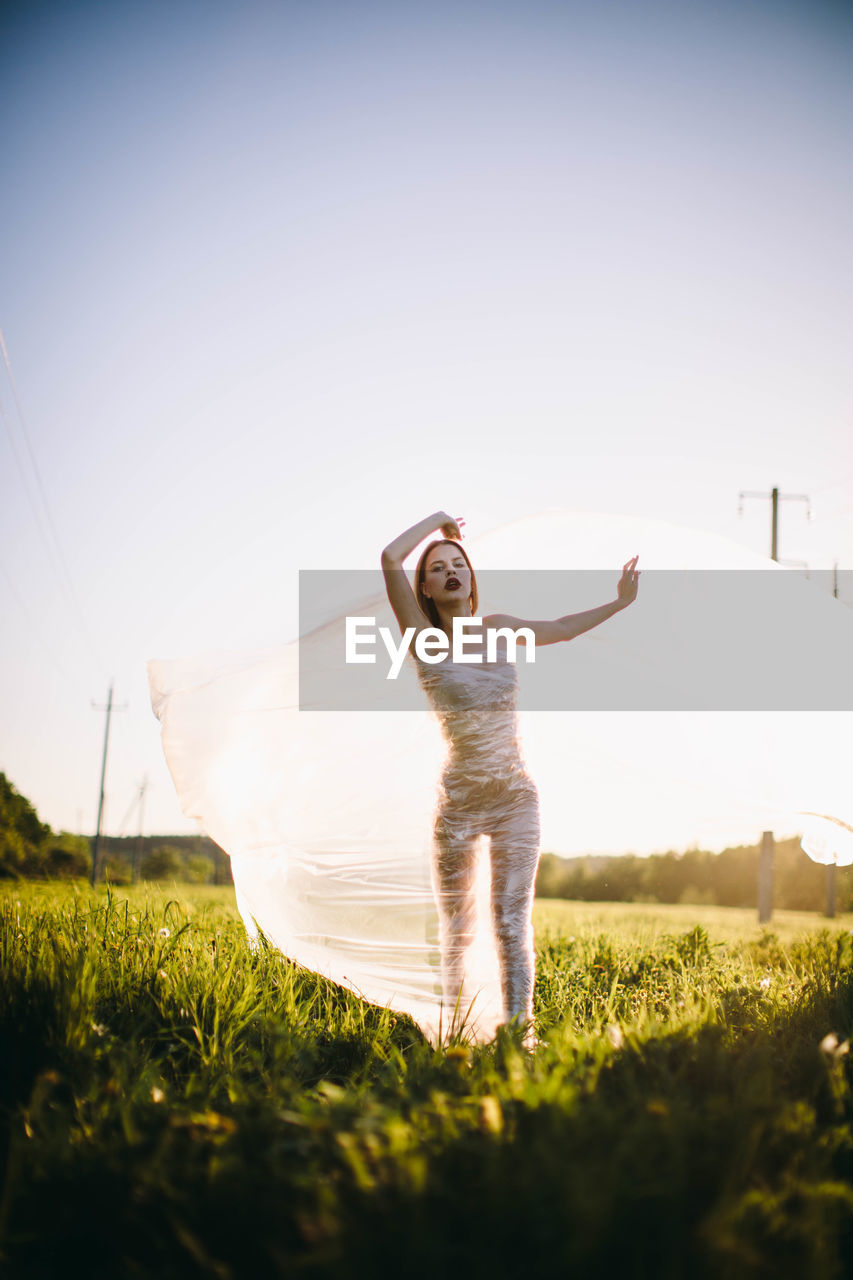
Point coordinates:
[(46, 523), (37, 633)]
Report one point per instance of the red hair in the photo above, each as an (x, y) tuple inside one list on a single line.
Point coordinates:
[(426, 604)]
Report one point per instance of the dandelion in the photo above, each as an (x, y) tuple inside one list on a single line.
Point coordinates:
[(491, 1116), (458, 1053), (833, 1047), (614, 1035), (165, 933), (157, 1095)]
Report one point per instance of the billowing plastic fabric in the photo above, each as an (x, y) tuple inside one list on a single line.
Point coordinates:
[(325, 872), (387, 887), (395, 851), (828, 839), (484, 792)]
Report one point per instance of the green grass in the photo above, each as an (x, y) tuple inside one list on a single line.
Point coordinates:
[(175, 1104), (646, 922)]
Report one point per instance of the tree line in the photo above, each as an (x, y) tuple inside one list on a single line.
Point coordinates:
[(190, 859), (727, 879), (30, 849)]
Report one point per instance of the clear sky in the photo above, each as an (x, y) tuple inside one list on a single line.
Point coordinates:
[(277, 280)]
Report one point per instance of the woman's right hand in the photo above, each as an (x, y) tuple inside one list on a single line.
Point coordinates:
[(400, 594), (449, 527)]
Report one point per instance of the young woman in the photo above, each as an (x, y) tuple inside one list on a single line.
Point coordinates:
[(484, 789)]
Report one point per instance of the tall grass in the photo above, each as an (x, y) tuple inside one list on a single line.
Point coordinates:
[(177, 1104)]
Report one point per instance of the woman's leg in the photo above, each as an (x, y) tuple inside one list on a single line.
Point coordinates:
[(454, 869), (515, 857)]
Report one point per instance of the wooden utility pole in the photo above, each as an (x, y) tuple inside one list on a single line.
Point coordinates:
[(765, 878), (137, 857), (96, 854), (775, 498), (765, 864), (832, 867), (830, 890)]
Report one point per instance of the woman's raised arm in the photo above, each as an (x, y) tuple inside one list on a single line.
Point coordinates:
[(553, 630), (395, 553), (399, 589)]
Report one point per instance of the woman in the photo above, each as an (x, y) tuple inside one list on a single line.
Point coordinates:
[(484, 790)]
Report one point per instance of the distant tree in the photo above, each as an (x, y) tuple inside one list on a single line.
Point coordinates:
[(727, 879), (198, 869), (692, 896), (117, 870), (163, 863), (552, 876), (67, 857), (13, 854), (22, 836)]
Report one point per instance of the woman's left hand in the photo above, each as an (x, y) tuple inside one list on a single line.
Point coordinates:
[(629, 582)]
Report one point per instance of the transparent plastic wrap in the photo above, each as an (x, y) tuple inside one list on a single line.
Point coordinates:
[(336, 874), (385, 883), (827, 839), (484, 794), (394, 850)]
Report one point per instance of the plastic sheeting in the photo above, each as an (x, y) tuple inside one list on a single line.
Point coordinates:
[(329, 841), (484, 792), (828, 839), (381, 881), (362, 856)]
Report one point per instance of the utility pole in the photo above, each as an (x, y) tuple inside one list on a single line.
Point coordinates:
[(775, 498), (765, 878), (765, 862), (137, 860), (832, 867), (830, 890), (109, 708)]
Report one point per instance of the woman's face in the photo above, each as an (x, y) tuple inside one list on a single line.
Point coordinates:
[(446, 575)]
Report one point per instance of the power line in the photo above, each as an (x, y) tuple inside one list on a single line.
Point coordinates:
[(25, 481), (128, 815), (135, 803), (109, 708), (138, 802), (51, 537), (36, 631), (137, 858)]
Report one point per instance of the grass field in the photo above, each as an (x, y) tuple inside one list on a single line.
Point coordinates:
[(175, 1104)]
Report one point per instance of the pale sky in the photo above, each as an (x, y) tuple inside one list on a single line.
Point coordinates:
[(278, 280)]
